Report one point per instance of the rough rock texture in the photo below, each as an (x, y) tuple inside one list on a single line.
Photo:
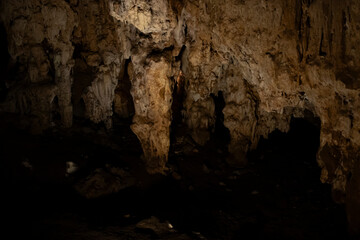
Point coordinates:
[(104, 182), (100, 49), (270, 59), (39, 37)]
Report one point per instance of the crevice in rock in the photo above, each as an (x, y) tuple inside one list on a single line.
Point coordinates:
[(299, 26), (307, 35), (178, 95), (55, 111), (179, 57), (343, 35), (321, 50), (80, 109), (123, 102), (298, 18), (50, 55), (177, 104), (83, 76), (157, 54), (221, 134)]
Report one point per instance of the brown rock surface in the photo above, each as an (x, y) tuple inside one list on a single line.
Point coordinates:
[(271, 60)]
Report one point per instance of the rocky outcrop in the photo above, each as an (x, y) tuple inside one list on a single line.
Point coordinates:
[(100, 49), (271, 60), (149, 30), (39, 38)]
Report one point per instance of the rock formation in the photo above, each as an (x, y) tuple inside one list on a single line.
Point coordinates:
[(271, 60)]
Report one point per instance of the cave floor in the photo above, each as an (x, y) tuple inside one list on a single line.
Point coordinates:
[(278, 195)]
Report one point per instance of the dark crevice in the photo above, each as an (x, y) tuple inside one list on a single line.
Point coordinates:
[(253, 95), (55, 111), (83, 76), (77, 51), (300, 52), (299, 27), (143, 35), (221, 133), (4, 62), (307, 32), (289, 161), (80, 109), (321, 52), (343, 35), (308, 2), (124, 103), (178, 96), (331, 37), (176, 6), (350, 77), (298, 18), (50, 55), (288, 152), (156, 54), (178, 57)]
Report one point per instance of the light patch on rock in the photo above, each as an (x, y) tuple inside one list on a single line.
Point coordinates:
[(26, 163), (71, 167)]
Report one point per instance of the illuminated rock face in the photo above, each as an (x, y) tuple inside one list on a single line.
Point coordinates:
[(270, 59)]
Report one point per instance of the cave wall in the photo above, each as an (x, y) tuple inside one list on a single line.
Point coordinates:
[(270, 59)]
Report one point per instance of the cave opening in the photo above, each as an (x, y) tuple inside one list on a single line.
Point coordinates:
[(296, 147), (287, 166)]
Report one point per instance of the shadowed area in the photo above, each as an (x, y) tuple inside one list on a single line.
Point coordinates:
[(277, 196)]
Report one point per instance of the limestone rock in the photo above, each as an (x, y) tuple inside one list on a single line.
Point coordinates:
[(151, 91), (39, 34), (271, 60)]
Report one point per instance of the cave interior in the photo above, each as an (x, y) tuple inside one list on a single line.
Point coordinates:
[(131, 122)]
